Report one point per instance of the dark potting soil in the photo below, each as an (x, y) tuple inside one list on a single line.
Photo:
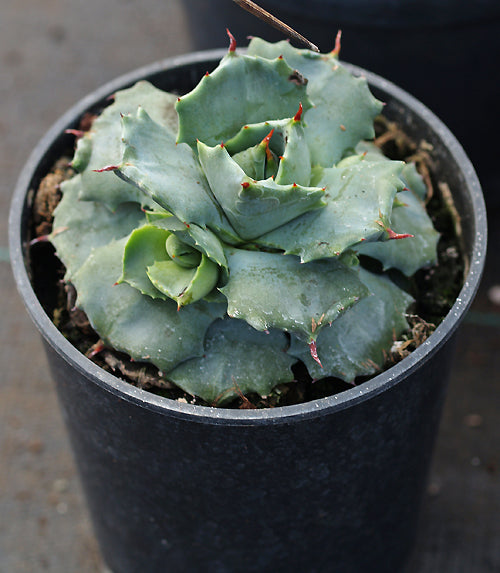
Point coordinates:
[(434, 289)]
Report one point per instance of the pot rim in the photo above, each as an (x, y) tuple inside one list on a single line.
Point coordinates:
[(212, 415)]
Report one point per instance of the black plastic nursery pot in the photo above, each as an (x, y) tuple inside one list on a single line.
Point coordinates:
[(331, 485)]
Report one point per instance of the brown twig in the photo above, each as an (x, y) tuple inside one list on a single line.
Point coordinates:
[(265, 16)]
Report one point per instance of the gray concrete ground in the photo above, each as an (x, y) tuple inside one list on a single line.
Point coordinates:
[(51, 53)]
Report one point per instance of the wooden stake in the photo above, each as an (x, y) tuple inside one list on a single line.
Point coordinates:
[(256, 10)]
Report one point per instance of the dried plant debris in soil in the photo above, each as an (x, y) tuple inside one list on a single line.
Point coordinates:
[(48, 196), (434, 289)]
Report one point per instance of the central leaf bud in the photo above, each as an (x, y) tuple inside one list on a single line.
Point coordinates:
[(181, 253)]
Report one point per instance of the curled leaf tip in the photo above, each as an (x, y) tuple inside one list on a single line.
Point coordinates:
[(314, 352), (298, 115), (75, 132), (41, 239), (232, 41), (107, 168), (59, 230), (267, 139), (393, 235), (336, 49), (97, 348)]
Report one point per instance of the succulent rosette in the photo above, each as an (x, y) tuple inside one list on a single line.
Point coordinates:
[(217, 234)]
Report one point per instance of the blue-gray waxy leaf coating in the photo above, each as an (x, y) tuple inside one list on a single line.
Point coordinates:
[(226, 248)]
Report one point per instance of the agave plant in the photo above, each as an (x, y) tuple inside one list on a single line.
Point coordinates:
[(217, 235)]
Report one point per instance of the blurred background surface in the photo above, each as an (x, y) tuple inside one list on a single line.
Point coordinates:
[(53, 52)]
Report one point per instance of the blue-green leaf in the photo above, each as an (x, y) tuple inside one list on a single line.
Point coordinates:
[(80, 226), (359, 195), (356, 344), (101, 146), (169, 173), (202, 239), (144, 247), (271, 290), (242, 90), (411, 253), (147, 329), (344, 108), (253, 207), (237, 360), (182, 284)]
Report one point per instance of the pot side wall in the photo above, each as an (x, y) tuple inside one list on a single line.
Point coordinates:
[(318, 494)]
